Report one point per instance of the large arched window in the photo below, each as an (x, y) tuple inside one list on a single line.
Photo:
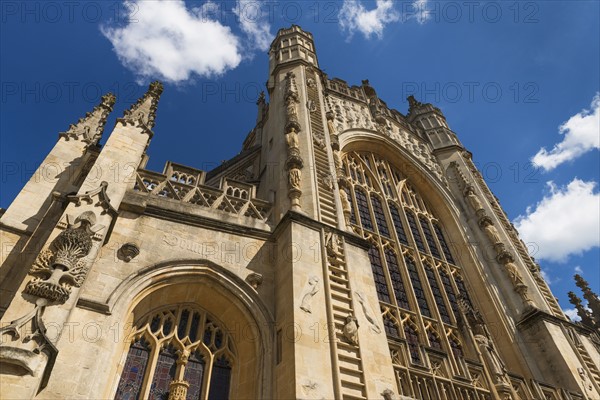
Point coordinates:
[(178, 348), (416, 274)]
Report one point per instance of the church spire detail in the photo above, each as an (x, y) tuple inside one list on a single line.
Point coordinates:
[(89, 128), (143, 112)]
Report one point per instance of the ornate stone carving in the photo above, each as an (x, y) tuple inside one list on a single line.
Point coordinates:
[(350, 329), (367, 312), (99, 193), (388, 394), (346, 205), (473, 200), (294, 162), (128, 252), (89, 128), (178, 390), (311, 288), (490, 230), (143, 112), (255, 280), (60, 267)]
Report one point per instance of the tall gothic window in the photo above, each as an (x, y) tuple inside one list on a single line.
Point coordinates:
[(377, 267), (412, 263), (172, 339)]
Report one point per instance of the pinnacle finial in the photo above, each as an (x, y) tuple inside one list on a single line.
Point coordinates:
[(155, 89)]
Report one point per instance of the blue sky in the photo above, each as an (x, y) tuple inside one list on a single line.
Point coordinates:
[(513, 78)]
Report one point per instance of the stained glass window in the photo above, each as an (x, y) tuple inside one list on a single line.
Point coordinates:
[(437, 294), (398, 224), (396, 278), (462, 290), (417, 287), (220, 380), (443, 243), (363, 209), (412, 340), (390, 327), (194, 375), (132, 377), (378, 274), (379, 216), (449, 291), (415, 231), (164, 374), (429, 237), (456, 347), (174, 356)]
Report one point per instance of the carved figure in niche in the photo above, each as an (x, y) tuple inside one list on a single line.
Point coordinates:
[(473, 199), (491, 231), (309, 291), (332, 246), (346, 206), (350, 330), (311, 105), (584, 378), (292, 139), (514, 274), (337, 160), (496, 365), (294, 177), (291, 107)]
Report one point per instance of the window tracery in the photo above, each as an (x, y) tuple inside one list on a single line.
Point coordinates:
[(413, 265), (172, 343)]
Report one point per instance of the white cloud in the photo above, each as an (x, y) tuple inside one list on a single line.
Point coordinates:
[(564, 222), (255, 23), (170, 42), (572, 314), (545, 276), (354, 17), (581, 134), (420, 11), (578, 270)]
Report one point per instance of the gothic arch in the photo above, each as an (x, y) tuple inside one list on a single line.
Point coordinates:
[(217, 291)]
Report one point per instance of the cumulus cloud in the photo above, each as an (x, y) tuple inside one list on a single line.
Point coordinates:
[(578, 270), (353, 17), (170, 42), (572, 314), (581, 134), (420, 11), (255, 23), (565, 222)]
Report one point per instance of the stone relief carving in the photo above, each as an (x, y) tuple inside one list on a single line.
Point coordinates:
[(350, 330), (60, 267), (311, 288), (346, 205), (585, 379), (128, 252), (178, 390), (368, 312), (89, 128)]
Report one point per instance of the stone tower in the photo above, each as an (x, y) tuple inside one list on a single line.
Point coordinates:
[(349, 251)]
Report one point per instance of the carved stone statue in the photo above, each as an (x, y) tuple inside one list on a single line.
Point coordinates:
[(291, 139), (388, 394), (473, 199), (367, 312), (312, 287), (337, 160), (346, 206), (350, 330), (491, 231), (514, 274), (491, 357)]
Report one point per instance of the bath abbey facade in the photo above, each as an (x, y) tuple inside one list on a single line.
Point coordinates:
[(349, 251)]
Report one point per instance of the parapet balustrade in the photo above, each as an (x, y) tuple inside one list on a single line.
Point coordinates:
[(232, 197)]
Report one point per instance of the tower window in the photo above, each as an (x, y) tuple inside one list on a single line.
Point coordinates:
[(412, 341), (443, 243), (437, 294), (398, 224), (429, 238)]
